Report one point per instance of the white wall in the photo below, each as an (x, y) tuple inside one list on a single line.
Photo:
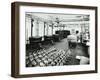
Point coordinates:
[(36, 25), (5, 40), (48, 30), (28, 28)]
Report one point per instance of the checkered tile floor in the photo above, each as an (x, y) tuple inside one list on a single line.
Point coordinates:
[(48, 57)]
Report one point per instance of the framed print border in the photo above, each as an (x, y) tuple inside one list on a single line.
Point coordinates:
[(15, 39)]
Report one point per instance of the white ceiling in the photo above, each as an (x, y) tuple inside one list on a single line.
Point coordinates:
[(61, 17)]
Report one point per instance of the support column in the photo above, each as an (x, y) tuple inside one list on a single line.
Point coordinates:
[(37, 28), (32, 20), (52, 28), (47, 29), (44, 27)]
